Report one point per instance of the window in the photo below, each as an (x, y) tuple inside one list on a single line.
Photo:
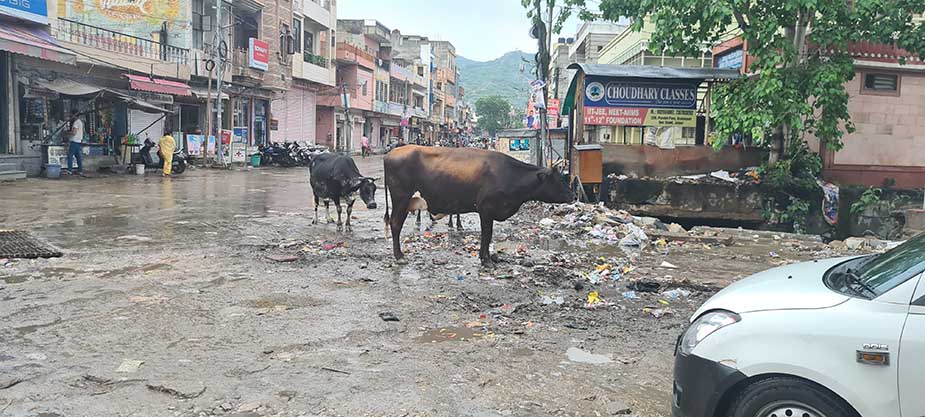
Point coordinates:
[(632, 135), (309, 42), (285, 48), (246, 26), (883, 84), (421, 71), (364, 89), (297, 34)]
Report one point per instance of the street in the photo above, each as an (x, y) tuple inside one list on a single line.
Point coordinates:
[(211, 293)]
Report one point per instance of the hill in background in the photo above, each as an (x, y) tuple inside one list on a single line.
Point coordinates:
[(500, 76)]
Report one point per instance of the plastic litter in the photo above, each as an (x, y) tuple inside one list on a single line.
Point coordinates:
[(547, 300), (630, 295), (676, 293), (669, 265)]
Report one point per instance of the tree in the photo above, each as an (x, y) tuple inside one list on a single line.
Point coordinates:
[(800, 50), (494, 113)]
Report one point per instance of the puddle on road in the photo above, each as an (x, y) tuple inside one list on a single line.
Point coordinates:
[(449, 334), (283, 301), (14, 279), (136, 269)]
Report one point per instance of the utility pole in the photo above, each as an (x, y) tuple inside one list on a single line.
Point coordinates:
[(217, 53), (542, 69)]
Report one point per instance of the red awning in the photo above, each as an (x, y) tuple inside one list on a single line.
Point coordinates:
[(34, 42), (158, 85)]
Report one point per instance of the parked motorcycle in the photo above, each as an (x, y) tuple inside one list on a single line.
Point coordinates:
[(152, 159)]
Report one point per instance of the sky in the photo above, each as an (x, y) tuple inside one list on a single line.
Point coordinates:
[(480, 30)]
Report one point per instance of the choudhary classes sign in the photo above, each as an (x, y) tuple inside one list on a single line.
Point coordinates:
[(610, 102)]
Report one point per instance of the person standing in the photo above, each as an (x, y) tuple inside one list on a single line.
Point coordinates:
[(75, 138), (364, 142), (166, 146)]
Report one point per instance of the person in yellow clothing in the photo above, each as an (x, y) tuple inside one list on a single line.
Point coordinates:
[(167, 145)]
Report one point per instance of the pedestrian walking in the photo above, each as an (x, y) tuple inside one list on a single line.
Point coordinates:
[(364, 143), (166, 147), (75, 137)]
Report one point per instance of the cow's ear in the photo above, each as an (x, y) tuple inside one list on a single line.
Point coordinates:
[(374, 179), (355, 183)]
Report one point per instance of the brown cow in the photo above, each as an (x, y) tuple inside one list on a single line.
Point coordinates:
[(466, 180)]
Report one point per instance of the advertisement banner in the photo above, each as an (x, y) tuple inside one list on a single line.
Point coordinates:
[(226, 136), (238, 152), (210, 146), (258, 54), (194, 145), (621, 116), (647, 94), (32, 10), (239, 135)]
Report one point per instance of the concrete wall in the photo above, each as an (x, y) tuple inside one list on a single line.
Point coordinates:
[(651, 161), (719, 201), (889, 140)]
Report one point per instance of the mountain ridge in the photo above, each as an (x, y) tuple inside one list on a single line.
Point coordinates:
[(501, 76)]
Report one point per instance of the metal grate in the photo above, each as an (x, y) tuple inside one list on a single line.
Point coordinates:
[(19, 244)]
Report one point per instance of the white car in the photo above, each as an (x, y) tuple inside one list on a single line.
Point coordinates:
[(830, 338)]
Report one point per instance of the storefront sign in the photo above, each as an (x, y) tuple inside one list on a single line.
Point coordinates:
[(239, 134), (153, 98), (730, 60), (666, 94), (622, 116), (31, 10), (258, 54)]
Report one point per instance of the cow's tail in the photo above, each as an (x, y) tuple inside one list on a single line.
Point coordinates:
[(385, 184)]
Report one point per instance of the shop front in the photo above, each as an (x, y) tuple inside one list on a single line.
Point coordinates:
[(649, 121)]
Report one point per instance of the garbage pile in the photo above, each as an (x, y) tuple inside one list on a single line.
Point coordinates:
[(602, 225)]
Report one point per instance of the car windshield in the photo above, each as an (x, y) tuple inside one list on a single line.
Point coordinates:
[(877, 274)]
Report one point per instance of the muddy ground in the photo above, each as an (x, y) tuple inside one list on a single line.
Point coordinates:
[(211, 293)]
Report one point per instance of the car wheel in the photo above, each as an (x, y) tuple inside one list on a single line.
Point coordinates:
[(788, 397)]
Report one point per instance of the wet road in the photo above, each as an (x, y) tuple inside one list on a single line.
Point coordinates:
[(211, 293)]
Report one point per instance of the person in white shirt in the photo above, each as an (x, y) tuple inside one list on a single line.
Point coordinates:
[(75, 137)]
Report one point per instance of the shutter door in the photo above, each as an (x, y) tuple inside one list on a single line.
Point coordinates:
[(308, 117), (293, 107)]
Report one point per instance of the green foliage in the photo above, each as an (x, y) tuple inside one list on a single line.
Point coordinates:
[(498, 77), (799, 48), (868, 198), (791, 183), (494, 112)]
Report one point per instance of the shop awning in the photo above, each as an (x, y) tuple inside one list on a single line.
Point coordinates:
[(158, 85), (34, 42), (76, 88), (203, 93)]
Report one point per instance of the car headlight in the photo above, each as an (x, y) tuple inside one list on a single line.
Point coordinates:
[(704, 326)]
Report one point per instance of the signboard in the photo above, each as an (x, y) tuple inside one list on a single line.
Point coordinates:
[(519, 145), (624, 102), (153, 98), (194, 145), (731, 60), (239, 134), (210, 146), (622, 116), (31, 10), (274, 124), (552, 113), (258, 54), (664, 94), (238, 153), (226, 136)]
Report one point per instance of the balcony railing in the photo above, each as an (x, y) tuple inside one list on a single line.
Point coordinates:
[(315, 59), (351, 53), (83, 34)]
